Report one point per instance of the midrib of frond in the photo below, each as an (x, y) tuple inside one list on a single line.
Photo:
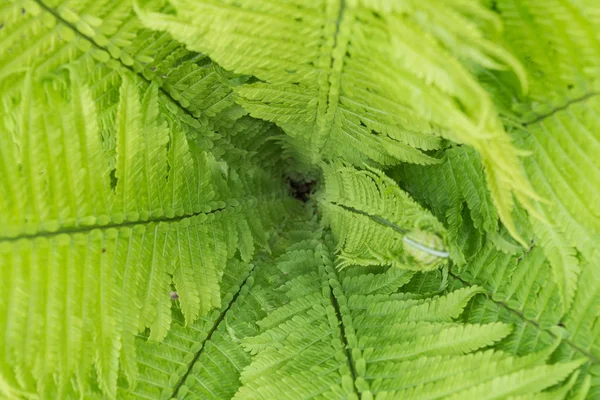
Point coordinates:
[(130, 68), (87, 229), (211, 331), (566, 105), (132, 224), (329, 83), (591, 357), (343, 328)]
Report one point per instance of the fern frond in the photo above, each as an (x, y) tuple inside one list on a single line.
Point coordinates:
[(582, 320), (355, 280), (317, 343), (202, 360), (561, 392), (345, 345), (205, 359), (111, 196), (376, 223), (555, 123), (110, 31), (521, 382), (341, 78), (520, 292), (150, 246)]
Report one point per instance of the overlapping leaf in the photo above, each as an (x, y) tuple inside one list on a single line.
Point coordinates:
[(376, 223), (110, 200), (133, 180), (363, 80)]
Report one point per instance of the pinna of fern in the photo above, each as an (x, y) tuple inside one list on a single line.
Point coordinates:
[(557, 123), (160, 224)]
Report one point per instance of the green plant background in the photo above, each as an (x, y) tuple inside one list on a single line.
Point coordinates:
[(151, 246)]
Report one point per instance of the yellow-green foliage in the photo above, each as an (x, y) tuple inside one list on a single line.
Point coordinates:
[(152, 244)]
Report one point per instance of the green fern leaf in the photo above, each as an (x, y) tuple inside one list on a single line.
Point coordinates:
[(323, 342), (446, 188), (367, 211), (554, 124), (152, 241), (341, 79), (108, 201)]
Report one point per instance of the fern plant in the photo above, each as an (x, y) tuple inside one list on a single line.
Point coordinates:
[(152, 245)]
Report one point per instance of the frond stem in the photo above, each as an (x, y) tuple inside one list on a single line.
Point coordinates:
[(338, 314), (210, 333), (569, 103)]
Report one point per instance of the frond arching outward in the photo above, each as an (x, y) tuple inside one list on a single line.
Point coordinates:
[(110, 199), (179, 228), (518, 286), (376, 223), (364, 80), (297, 328), (45, 35), (205, 360), (557, 123), (202, 360), (336, 339), (521, 292)]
